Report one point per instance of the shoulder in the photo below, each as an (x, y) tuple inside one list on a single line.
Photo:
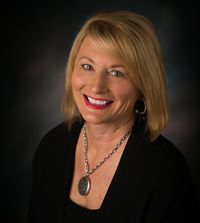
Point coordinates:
[(172, 175), (162, 167), (171, 157), (159, 153), (56, 141), (53, 138), (57, 131), (161, 180), (160, 159), (168, 169), (168, 152)]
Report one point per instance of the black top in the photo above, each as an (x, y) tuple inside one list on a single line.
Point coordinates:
[(152, 183), (76, 213)]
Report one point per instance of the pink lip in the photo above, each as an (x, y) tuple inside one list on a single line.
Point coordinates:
[(96, 106)]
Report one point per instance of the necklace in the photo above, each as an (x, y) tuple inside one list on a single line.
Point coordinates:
[(84, 184)]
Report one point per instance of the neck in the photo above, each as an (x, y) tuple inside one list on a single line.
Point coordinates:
[(103, 134)]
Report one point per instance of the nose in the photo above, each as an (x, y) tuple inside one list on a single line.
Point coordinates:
[(99, 83)]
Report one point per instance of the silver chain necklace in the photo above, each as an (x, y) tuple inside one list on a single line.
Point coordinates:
[(84, 184)]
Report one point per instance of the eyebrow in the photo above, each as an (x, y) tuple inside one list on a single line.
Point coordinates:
[(87, 58), (92, 61)]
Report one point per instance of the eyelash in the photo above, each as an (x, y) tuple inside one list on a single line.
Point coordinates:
[(114, 73), (87, 67), (117, 73)]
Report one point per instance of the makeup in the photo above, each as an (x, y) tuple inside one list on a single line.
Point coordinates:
[(97, 103)]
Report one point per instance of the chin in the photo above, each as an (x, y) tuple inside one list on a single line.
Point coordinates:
[(95, 120)]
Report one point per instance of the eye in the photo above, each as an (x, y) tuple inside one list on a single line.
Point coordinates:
[(86, 66), (116, 73)]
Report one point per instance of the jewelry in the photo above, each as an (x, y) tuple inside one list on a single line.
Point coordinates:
[(141, 108), (84, 185)]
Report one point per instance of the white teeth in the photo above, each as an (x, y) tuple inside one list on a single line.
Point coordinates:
[(97, 102)]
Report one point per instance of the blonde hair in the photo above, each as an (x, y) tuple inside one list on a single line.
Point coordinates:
[(132, 38)]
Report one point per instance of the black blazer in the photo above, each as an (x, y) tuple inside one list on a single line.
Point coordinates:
[(152, 183)]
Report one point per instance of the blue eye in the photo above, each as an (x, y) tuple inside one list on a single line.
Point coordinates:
[(86, 67), (116, 73)]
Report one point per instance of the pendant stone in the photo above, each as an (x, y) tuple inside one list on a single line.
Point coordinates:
[(84, 185)]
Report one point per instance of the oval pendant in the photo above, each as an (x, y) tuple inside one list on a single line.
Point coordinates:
[(84, 185)]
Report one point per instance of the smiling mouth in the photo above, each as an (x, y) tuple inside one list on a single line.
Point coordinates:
[(97, 103)]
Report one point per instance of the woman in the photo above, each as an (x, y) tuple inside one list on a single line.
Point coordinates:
[(108, 162)]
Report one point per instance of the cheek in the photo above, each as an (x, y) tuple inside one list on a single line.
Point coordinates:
[(129, 96), (128, 92), (77, 81)]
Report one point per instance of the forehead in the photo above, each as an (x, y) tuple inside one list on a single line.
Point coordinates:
[(98, 48), (89, 43)]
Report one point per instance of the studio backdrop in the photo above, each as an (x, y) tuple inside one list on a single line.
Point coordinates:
[(38, 39)]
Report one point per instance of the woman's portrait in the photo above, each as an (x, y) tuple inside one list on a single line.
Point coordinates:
[(114, 153)]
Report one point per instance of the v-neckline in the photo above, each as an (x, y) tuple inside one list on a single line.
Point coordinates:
[(116, 179)]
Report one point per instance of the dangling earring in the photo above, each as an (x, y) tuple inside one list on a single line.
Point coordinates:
[(141, 108)]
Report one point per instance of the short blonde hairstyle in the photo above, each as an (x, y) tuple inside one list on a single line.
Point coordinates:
[(131, 38)]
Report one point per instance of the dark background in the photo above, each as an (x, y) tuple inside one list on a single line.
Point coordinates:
[(37, 38)]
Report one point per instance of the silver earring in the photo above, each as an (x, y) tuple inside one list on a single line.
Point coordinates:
[(141, 108)]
